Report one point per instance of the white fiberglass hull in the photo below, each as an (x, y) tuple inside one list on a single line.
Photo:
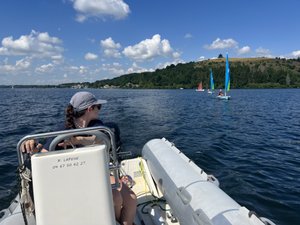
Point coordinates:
[(223, 97)]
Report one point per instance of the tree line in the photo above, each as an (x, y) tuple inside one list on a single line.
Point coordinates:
[(244, 73)]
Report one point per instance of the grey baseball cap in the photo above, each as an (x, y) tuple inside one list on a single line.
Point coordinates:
[(83, 99)]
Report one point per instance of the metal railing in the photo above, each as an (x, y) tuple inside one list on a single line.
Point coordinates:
[(65, 134)]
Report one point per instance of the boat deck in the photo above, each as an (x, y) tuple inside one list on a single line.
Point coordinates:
[(152, 208)]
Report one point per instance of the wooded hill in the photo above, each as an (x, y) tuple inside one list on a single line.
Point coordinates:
[(244, 73)]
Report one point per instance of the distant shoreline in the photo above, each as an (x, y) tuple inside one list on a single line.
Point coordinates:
[(124, 88)]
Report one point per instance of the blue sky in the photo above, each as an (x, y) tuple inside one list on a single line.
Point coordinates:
[(60, 41)]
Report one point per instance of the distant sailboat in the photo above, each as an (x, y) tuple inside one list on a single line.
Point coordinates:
[(227, 82), (200, 88), (212, 85)]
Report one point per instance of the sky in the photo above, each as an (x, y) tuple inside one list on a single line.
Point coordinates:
[(63, 41)]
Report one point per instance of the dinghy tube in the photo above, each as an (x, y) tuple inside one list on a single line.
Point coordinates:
[(193, 197)]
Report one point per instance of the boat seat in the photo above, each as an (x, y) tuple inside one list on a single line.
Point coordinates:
[(73, 187)]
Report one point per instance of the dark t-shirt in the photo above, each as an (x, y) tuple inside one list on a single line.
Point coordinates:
[(94, 123)]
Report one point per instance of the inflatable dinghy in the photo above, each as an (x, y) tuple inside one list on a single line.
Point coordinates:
[(170, 188)]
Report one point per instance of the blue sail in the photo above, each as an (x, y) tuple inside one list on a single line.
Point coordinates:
[(212, 85), (227, 75)]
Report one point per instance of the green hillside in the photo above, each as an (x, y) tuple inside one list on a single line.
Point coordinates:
[(245, 73)]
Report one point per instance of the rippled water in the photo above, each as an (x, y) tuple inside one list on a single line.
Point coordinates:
[(250, 143)]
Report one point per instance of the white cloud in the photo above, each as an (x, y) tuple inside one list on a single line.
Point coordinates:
[(113, 69), (35, 44), (5, 60), (110, 43), (112, 53), (176, 54), (44, 68), (137, 69), (116, 69), (77, 69), (23, 63), (221, 44), (111, 48), (7, 68), (164, 65), (188, 36), (296, 53), (83, 69), (57, 59), (44, 37), (117, 64), (117, 9), (149, 49), (244, 50), (73, 68), (201, 58), (165, 45), (263, 52), (90, 56), (20, 66)]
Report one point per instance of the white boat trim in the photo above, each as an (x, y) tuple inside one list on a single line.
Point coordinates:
[(223, 97)]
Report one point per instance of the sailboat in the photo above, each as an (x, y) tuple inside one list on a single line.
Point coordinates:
[(212, 85), (200, 88), (227, 82)]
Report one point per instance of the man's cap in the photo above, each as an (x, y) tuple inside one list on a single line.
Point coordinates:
[(83, 99)]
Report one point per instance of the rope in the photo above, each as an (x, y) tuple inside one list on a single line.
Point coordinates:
[(20, 170), (154, 202), (24, 213), (26, 202)]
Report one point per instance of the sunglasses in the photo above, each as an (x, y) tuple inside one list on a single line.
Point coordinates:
[(98, 106)]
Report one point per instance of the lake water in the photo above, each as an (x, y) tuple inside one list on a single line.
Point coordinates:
[(250, 143)]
